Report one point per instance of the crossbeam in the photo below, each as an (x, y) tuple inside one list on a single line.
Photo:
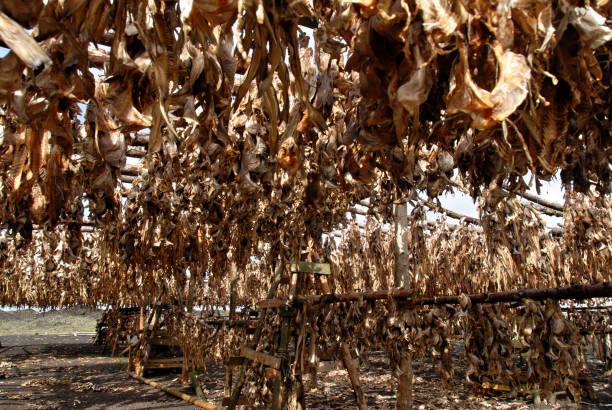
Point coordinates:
[(576, 292)]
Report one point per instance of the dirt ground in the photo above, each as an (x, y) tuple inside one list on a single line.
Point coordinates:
[(67, 371)]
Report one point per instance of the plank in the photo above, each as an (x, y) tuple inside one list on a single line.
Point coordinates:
[(311, 267), (264, 358), (166, 360), (163, 366)]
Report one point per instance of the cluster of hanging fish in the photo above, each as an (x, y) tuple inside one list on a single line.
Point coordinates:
[(247, 120)]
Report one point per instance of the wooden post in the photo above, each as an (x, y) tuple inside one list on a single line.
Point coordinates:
[(401, 247), (139, 366), (402, 264), (353, 371), (227, 388), (404, 382), (279, 394), (232, 314), (185, 369), (141, 320), (196, 386), (233, 278), (190, 291)]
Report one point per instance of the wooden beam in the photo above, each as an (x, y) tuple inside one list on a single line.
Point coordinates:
[(266, 359), (131, 170), (311, 267), (576, 292), (546, 210), (162, 366), (135, 152), (221, 322), (140, 140), (540, 201), (176, 393), (97, 57), (126, 179), (166, 360), (452, 214), (357, 211)]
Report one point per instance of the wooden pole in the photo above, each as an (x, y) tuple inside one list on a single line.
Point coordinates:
[(404, 382), (540, 201), (196, 386), (402, 268), (185, 369), (576, 292), (353, 371), (176, 393), (281, 390), (233, 279), (402, 259), (129, 347), (221, 322), (277, 393), (227, 385)]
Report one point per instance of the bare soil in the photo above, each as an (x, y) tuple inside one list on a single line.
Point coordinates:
[(67, 371)]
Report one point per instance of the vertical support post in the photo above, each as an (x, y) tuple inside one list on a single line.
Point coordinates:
[(402, 264), (401, 246), (404, 383), (278, 393), (141, 321), (141, 335), (353, 371), (227, 389), (185, 369), (606, 345), (233, 278), (190, 291), (281, 390)]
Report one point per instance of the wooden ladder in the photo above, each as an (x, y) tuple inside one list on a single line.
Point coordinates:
[(278, 367)]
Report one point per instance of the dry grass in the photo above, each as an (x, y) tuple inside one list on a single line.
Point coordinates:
[(31, 322)]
